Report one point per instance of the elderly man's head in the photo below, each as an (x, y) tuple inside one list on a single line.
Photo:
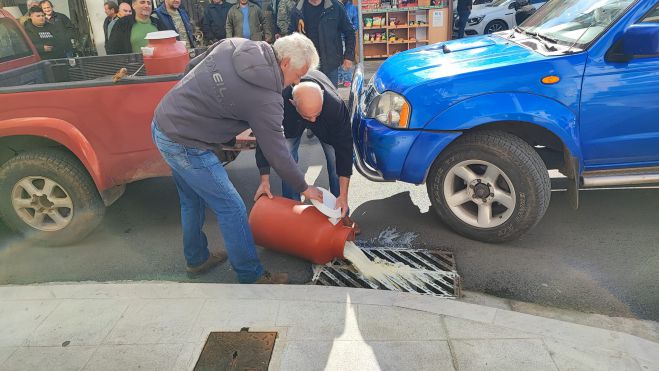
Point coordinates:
[(308, 100), (296, 55), (124, 10), (47, 7)]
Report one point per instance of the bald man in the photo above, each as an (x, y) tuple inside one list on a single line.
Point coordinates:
[(315, 104)]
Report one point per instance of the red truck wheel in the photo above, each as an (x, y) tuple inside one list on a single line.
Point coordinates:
[(47, 196)]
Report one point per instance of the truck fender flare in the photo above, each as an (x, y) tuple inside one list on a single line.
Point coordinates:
[(63, 133), (511, 107)]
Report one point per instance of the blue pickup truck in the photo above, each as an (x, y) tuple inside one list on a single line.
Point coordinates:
[(481, 120)]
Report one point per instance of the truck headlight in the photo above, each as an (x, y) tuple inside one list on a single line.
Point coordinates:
[(476, 20), (390, 109)]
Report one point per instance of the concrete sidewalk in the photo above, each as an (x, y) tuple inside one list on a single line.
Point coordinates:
[(163, 326)]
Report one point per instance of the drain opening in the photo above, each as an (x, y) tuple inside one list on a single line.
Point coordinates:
[(436, 272)]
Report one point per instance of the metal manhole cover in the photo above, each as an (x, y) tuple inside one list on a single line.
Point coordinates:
[(237, 351), (438, 273)]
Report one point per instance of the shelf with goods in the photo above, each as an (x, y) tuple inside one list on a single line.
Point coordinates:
[(388, 30)]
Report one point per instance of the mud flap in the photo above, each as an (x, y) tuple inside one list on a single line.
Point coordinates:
[(572, 173)]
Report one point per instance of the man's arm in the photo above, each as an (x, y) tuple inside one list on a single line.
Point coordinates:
[(348, 32), (284, 16), (206, 25), (229, 26)]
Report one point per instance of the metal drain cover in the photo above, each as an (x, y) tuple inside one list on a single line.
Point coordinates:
[(437, 272), (237, 351)]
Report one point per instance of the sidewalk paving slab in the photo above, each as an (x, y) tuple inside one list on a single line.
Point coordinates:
[(163, 326)]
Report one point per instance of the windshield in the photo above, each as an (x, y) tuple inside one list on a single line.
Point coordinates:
[(575, 22)]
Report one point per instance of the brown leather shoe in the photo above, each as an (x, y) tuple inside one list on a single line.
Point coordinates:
[(349, 223), (214, 259), (272, 279)]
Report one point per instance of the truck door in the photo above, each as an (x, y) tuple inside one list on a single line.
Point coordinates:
[(620, 111)]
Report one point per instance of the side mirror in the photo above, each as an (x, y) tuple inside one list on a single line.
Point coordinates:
[(513, 5), (641, 40)]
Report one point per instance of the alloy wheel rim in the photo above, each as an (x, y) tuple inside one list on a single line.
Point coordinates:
[(42, 203), (479, 193)]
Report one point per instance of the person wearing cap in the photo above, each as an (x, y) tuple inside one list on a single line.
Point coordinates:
[(128, 33)]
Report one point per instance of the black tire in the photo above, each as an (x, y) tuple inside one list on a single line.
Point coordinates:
[(73, 182), (529, 189), (495, 26)]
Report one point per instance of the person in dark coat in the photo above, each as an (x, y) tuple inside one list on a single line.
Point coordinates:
[(61, 21), (111, 10), (523, 11), (464, 10), (325, 22), (123, 40), (49, 39), (174, 17), (315, 104), (215, 20)]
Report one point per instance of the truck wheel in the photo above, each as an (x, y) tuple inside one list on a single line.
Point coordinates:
[(489, 186), (495, 26), (47, 196)]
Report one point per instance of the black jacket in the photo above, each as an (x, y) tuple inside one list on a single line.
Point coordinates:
[(333, 23), (524, 12), (331, 127), (119, 41), (50, 35), (464, 5), (215, 21)]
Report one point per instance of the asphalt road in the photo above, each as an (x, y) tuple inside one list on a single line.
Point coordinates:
[(603, 258)]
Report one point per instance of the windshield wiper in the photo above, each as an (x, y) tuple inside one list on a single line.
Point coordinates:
[(541, 37)]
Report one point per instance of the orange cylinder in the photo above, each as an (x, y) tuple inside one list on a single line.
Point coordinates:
[(290, 227), (164, 54)]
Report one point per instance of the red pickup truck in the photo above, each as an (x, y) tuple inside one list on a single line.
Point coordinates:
[(70, 137)]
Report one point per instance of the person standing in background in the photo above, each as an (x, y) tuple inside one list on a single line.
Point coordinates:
[(111, 10), (215, 20), (25, 17), (124, 10), (324, 22), (464, 10), (128, 33), (174, 17), (47, 38), (283, 16), (62, 22), (345, 75), (246, 20)]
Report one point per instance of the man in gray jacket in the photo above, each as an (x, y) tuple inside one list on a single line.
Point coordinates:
[(214, 102)]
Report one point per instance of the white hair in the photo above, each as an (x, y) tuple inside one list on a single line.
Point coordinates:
[(298, 49), (307, 84)]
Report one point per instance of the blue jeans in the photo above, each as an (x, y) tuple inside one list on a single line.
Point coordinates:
[(345, 75), (463, 17), (330, 157), (202, 180)]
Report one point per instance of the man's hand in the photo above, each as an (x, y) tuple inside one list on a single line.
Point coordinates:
[(264, 188), (313, 193), (277, 36), (347, 64), (48, 48), (342, 203)]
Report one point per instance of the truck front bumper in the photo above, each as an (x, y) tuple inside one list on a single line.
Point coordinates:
[(382, 154)]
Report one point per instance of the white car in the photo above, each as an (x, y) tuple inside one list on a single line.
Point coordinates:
[(496, 16)]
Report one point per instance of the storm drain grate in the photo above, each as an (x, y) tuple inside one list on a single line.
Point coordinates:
[(438, 275), (237, 351)]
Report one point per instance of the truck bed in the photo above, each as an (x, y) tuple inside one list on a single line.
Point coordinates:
[(77, 72)]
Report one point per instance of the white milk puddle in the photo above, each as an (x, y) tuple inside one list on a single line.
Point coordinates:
[(386, 273)]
